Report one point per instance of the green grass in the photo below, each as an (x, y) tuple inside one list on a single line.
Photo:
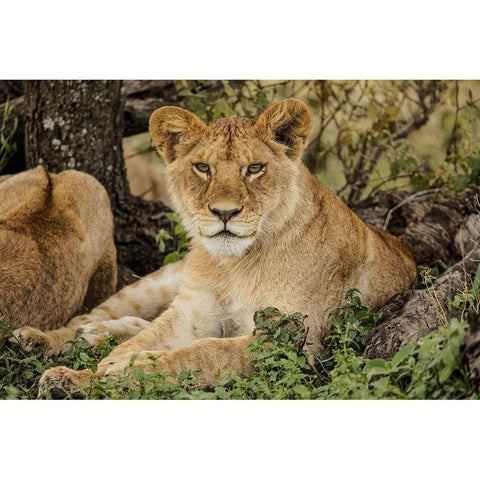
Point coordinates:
[(430, 369)]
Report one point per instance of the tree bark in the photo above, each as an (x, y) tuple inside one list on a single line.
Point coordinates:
[(79, 124)]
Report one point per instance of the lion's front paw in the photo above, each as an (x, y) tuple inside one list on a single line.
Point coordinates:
[(113, 368), (34, 341), (62, 381)]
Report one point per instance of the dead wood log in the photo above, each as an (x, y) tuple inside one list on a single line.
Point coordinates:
[(410, 315), (142, 97), (440, 229), (428, 223)]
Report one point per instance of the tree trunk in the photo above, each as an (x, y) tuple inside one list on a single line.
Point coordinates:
[(79, 124)]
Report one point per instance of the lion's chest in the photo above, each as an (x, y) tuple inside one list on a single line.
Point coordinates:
[(244, 294)]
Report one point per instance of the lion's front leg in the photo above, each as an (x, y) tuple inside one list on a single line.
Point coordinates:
[(212, 357), (183, 323), (62, 381)]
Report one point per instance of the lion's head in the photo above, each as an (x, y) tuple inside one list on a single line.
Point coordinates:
[(233, 180)]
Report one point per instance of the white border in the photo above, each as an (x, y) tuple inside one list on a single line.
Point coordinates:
[(268, 39), (293, 39), (238, 439)]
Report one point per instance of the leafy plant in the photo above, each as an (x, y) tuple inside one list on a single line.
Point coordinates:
[(470, 298), (180, 241), (247, 98), (20, 371), (282, 366), (8, 129), (283, 369), (84, 355), (427, 276), (351, 324), (429, 369)]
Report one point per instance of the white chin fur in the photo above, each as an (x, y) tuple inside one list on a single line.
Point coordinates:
[(227, 245)]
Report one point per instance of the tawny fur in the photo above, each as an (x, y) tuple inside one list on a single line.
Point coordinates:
[(292, 244), (57, 254)]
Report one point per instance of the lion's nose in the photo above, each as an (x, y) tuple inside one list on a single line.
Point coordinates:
[(225, 215)]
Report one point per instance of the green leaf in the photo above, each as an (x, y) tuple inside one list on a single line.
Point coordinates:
[(474, 163), (401, 355), (222, 108), (394, 168), (476, 281), (377, 366), (301, 390), (172, 217), (444, 374), (228, 89), (161, 245), (460, 182), (377, 363), (83, 356), (138, 374), (183, 242), (179, 229), (449, 358), (171, 257), (381, 385)]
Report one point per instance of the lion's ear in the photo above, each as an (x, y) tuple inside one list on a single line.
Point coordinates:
[(288, 123), (174, 131)]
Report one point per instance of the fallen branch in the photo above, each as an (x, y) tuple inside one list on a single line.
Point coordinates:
[(411, 315), (406, 200)]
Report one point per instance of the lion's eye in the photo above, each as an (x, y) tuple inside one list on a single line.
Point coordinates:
[(255, 168), (202, 167)]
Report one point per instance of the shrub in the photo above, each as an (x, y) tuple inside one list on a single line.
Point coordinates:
[(283, 369)]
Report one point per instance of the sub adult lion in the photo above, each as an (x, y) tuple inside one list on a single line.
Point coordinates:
[(264, 232), (57, 255)]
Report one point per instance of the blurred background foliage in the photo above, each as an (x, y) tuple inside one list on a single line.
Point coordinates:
[(368, 135)]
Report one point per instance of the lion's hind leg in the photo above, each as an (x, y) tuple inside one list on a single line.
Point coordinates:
[(123, 315), (121, 329)]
